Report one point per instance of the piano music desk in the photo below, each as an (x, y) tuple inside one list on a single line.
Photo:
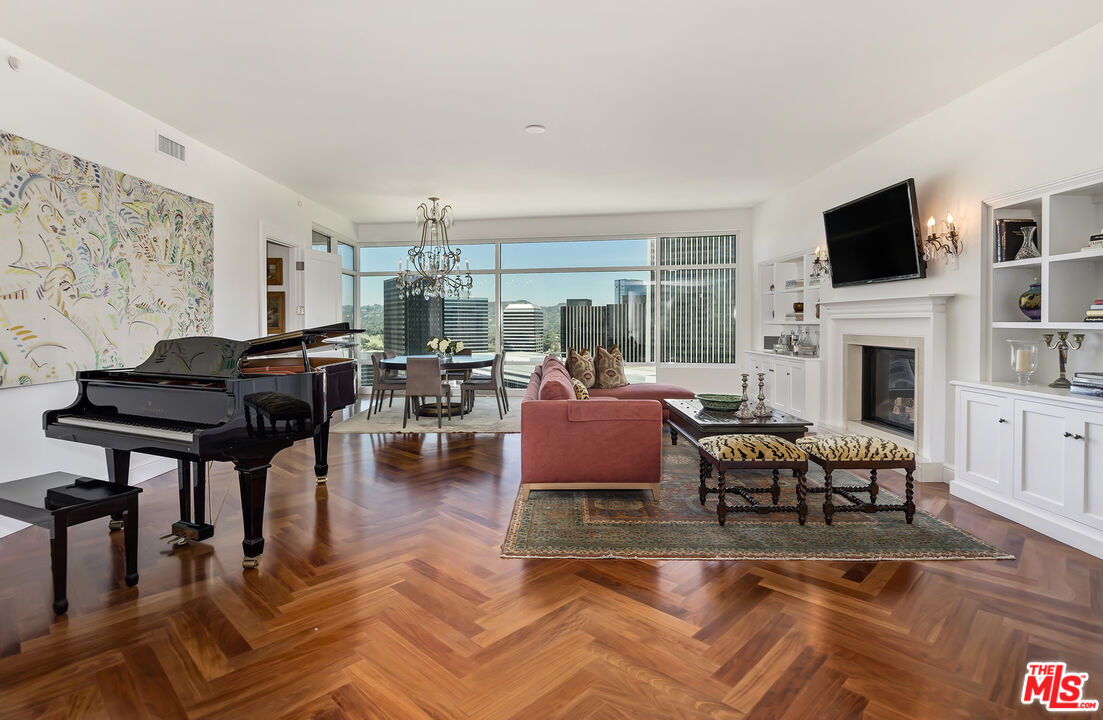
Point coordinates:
[(57, 500)]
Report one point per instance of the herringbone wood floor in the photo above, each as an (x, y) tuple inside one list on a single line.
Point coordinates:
[(387, 599)]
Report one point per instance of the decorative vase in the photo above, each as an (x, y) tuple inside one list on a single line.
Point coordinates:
[(798, 307), (1029, 249), (1030, 302), (1024, 359)]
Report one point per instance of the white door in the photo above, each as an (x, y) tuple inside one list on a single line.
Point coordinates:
[(1041, 473), (984, 440), (1085, 465), (322, 288)]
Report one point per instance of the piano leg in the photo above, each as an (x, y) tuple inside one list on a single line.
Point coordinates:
[(321, 452), (252, 480), (118, 471)]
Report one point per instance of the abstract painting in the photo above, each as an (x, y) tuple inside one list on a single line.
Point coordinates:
[(96, 265)]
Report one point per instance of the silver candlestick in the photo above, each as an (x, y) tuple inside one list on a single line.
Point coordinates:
[(760, 409), (745, 411), (1062, 346)]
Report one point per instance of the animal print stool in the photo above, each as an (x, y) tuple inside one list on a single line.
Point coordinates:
[(752, 452), (859, 452)]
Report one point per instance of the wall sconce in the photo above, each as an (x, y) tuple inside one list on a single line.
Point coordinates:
[(821, 265), (948, 243)]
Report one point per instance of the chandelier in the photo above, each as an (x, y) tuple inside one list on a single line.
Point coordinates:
[(433, 266)]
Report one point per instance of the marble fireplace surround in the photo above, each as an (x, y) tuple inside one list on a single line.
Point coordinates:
[(917, 323)]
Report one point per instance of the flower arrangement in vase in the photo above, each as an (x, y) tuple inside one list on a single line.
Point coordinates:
[(444, 347)]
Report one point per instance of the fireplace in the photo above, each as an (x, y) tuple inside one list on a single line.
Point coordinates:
[(888, 388)]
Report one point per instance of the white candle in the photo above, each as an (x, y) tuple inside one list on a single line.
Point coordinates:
[(1022, 360)]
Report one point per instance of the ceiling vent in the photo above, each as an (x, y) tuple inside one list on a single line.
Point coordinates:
[(170, 147)]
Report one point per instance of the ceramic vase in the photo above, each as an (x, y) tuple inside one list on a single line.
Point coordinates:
[(1030, 302)]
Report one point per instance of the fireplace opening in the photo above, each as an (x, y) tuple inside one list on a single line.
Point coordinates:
[(888, 388)]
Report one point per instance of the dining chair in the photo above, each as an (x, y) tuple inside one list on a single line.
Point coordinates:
[(460, 375), (383, 380), (495, 384), (424, 379)]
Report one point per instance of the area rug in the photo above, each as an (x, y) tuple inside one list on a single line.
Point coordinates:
[(626, 524), (483, 419)]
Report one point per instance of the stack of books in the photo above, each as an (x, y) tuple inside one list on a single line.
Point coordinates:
[(1095, 242), (794, 316), (1095, 312), (1088, 383), (794, 284)]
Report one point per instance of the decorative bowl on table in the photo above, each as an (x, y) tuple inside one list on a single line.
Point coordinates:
[(720, 402)]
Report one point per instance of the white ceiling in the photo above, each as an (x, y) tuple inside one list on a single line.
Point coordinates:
[(369, 106)]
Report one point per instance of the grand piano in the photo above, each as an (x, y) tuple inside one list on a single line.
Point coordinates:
[(198, 399)]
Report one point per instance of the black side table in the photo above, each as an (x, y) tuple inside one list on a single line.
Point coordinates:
[(58, 500)]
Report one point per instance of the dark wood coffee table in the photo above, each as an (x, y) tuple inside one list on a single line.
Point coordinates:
[(693, 422)]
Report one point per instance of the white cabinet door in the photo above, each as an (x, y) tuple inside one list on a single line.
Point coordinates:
[(782, 377), (1084, 445), (1041, 475), (984, 440), (770, 368), (798, 400)]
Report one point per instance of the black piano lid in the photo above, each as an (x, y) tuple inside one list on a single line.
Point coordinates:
[(221, 357), (294, 340)]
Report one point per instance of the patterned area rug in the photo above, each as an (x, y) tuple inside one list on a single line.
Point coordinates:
[(626, 524)]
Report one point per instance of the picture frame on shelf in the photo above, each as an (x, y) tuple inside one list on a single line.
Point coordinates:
[(274, 271), (276, 312)]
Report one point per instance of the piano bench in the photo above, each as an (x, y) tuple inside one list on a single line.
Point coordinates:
[(58, 500)]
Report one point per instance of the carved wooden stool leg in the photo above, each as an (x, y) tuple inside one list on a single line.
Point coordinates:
[(702, 489), (775, 490), (909, 493), (828, 506), (673, 436), (802, 492), (873, 488), (721, 508)]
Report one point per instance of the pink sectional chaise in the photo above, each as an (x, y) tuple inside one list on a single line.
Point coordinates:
[(612, 441)]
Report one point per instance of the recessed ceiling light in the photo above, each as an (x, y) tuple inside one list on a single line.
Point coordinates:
[(535, 129)]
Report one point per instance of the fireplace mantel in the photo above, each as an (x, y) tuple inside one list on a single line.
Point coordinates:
[(918, 322)]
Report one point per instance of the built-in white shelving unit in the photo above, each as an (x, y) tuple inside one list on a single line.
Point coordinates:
[(1068, 213), (777, 299)]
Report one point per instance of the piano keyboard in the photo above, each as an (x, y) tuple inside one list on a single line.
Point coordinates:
[(141, 427)]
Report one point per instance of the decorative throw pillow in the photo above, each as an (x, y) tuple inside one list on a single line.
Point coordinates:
[(581, 367), (610, 368), (580, 391)]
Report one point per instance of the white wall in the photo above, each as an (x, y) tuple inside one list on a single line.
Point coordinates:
[(736, 220), (1037, 123), (47, 105)]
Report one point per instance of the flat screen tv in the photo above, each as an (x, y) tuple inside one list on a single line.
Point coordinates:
[(875, 238)]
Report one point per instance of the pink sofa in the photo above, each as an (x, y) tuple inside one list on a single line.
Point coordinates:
[(611, 441)]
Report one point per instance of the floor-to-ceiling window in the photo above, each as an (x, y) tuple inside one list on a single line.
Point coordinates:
[(670, 299)]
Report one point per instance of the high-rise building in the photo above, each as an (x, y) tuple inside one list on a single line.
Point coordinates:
[(624, 323), (698, 318), (409, 320), (583, 326), (523, 328), (467, 320)]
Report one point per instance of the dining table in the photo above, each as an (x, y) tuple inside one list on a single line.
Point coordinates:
[(448, 364)]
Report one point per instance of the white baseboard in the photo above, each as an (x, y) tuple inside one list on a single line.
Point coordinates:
[(1059, 528), (138, 473)]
